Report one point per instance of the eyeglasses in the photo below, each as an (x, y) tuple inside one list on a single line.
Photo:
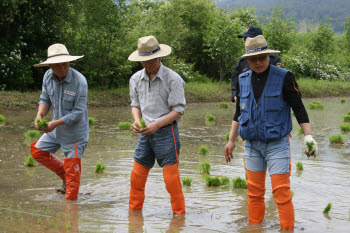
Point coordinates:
[(257, 58)]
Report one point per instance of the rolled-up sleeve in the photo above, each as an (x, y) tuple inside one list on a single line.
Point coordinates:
[(134, 97), (44, 97), (79, 106), (176, 99)]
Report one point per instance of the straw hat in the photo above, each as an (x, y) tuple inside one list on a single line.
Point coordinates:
[(257, 45), (57, 53), (148, 48)]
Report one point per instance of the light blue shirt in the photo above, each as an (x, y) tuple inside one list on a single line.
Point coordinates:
[(68, 100)]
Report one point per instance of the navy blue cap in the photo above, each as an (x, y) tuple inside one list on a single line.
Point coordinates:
[(251, 32)]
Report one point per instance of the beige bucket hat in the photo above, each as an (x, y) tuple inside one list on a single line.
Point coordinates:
[(57, 53), (257, 45), (148, 48)]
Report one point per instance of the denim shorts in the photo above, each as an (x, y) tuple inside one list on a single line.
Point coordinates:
[(273, 155), (48, 142), (159, 146)]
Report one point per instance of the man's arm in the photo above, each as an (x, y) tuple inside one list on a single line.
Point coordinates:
[(136, 114), (230, 146)]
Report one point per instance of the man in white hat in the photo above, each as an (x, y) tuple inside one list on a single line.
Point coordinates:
[(157, 96), (65, 90), (263, 118)]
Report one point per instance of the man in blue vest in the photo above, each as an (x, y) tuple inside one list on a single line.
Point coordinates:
[(265, 96)]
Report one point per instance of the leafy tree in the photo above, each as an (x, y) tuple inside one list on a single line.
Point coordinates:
[(246, 17), (347, 36)]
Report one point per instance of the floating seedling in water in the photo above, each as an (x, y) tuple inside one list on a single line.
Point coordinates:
[(2, 118), (336, 139), (223, 105), (345, 127), (310, 149), (204, 168), (100, 168), (316, 105), (347, 118), (212, 181), (210, 117), (224, 182), (300, 131), (299, 166), (91, 121), (328, 208), (239, 183), (32, 134), (342, 101), (42, 124), (187, 181), (203, 150), (124, 125), (30, 162)]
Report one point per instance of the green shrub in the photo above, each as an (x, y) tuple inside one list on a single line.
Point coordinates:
[(336, 139), (100, 168), (124, 125), (42, 124), (223, 105), (300, 131), (32, 134), (212, 181), (299, 166), (30, 162), (227, 136), (316, 105), (204, 167), (187, 181), (91, 121), (239, 183), (328, 208), (203, 150), (210, 117), (347, 118), (2, 118), (224, 180), (349, 113), (345, 127), (342, 101)]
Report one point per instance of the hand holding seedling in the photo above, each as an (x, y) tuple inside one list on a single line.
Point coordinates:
[(230, 146), (151, 128), (311, 146), (41, 124), (139, 126)]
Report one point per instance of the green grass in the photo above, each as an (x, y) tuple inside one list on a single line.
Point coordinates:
[(342, 101), (2, 118), (299, 166), (203, 150), (124, 125), (227, 136), (338, 138), (32, 134), (223, 105), (100, 168), (316, 105), (239, 183), (204, 168), (210, 117), (42, 124), (212, 181), (328, 208), (187, 181), (300, 131), (347, 118), (345, 127), (30, 162), (91, 121)]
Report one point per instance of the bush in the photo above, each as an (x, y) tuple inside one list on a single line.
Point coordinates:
[(187, 181), (204, 167), (336, 139), (223, 105), (2, 118), (316, 105), (91, 121), (30, 162), (345, 127), (100, 168), (239, 183), (32, 134), (124, 125), (299, 166), (203, 150), (342, 101), (210, 117)]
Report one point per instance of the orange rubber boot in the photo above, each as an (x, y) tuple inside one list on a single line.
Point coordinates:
[(138, 180), (283, 197), (173, 185), (48, 160), (72, 166), (256, 193)]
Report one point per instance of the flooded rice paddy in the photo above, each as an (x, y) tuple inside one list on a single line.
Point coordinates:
[(29, 202)]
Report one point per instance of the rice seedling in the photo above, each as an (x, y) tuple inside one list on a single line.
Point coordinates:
[(187, 181), (223, 105), (59, 216), (310, 149), (32, 134), (226, 186), (48, 211), (19, 207), (210, 117), (345, 127), (30, 162), (39, 221), (227, 136), (204, 168), (300, 131), (68, 226), (22, 219), (347, 118), (203, 150), (342, 101), (239, 183), (52, 223), (212, 181), (100, 168), (91, 121), (299, 166), (328, 208), (124, 125), (292, 193), (316, 105), (2, 118), (336, 139), (224, 180), (42, 124), (143, 123)]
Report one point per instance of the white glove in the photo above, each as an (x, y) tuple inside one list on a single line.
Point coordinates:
[(311, 148)]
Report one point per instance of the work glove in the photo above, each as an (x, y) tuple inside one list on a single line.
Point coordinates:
[(310, 146)]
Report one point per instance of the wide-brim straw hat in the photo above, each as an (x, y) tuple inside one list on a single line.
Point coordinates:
[(148, 48), (57, 53), (257, 45)]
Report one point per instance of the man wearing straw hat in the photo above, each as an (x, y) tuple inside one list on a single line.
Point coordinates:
[(263, 118), (65, 90), (157, 96)]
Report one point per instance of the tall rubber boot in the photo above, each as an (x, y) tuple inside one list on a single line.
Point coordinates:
[(138, 180), (256, 193), (72, 166), (173, 185), (48, 160), (283, 197)]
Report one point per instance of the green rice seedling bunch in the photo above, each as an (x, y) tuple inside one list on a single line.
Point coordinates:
[(91, 121), (124, 125), (328, 208), (239, 183), (42, 124), (223, 105), (227, 136), (2, 118), (212, 181), (337, 138), (342, 101), (210, 117), (30, 162), (32, 134), (100, 168), (204, 168), (226, 186), (142, 124), (345, 127), (187, 181), (300, 131), (203, 150), (316, 105), (347, 118), (224, 180), (299, 166)]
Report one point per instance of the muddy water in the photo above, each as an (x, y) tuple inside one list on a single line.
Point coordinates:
[(29, 203)]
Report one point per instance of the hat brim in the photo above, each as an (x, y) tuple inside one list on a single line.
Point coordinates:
[(165, 50), (245, 35), (58, 59), (260, 52)]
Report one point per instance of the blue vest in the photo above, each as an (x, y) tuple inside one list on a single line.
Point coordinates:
[(268, 119)]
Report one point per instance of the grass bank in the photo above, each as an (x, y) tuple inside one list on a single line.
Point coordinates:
[(195, 92)]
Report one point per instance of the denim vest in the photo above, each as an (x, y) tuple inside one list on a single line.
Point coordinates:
[(268, 119)]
